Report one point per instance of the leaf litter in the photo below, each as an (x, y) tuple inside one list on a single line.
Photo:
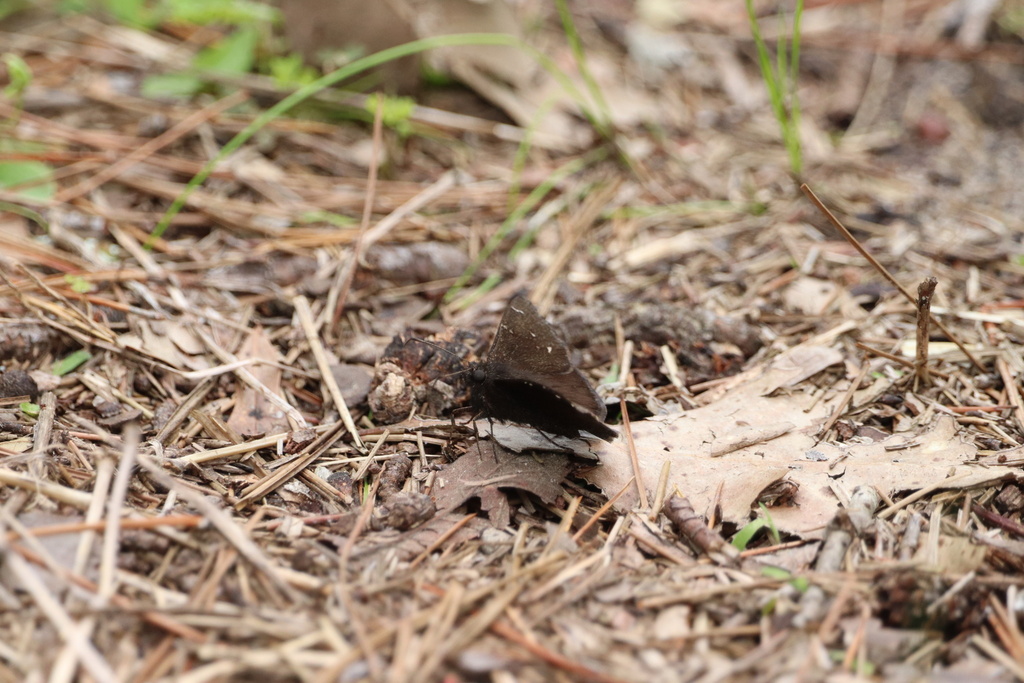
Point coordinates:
[(218, 500)]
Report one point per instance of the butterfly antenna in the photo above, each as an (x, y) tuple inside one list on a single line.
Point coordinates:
[(432, 345), (440, 348)]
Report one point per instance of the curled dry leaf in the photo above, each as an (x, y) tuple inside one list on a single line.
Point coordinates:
[(486, 468), (396, 471), (17, 383), (428, 377), (407, 509)]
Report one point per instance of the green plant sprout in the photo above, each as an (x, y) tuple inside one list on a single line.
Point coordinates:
[(234, 54), (602, 123), (78, 284), (70, 362), (781, 81), (19, 75), (396, 112), (30, 179), (745, 535), (148, 14), (290, 71)]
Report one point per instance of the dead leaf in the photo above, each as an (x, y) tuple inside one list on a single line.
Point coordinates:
[(689, 442), (157, 343), (487, 467), (253, 412)]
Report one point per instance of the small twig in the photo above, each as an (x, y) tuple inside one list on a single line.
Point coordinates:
[(921, 493), (364, 517), (181, 521), (370, 457), (600, 511), (112, 534), (221, 521), (305, 316), (472, 627), (441, 540), (237, 451), (582, 220), (92, 660), (855, 651), (438, 188), (896, 359), (884, 272), (637, 474), (242, 373), (845, 400), (43, 431), (661, 491), (563, 526), (575, 670), (1012, 390), (925, 291), (1006, 628), (63, 494), (292, 469), (998, 520), (990, 649), (94, 515)]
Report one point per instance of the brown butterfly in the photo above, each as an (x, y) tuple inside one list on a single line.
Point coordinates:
[(527, 378)]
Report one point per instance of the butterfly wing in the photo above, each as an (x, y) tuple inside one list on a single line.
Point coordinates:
[(525, 402), (527, 348)]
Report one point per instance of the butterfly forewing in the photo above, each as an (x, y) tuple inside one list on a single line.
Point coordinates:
[(523, 333), (527, 350)]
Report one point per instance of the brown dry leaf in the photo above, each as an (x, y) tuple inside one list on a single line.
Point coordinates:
[(694, 442), (172, 342), (21, 444), (254, 413), (151, 338), (184, 338), (487, 467)]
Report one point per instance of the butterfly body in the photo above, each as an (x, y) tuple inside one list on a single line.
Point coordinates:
[(528, 379)]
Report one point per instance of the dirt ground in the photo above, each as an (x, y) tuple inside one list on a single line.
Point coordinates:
[(226, 456)]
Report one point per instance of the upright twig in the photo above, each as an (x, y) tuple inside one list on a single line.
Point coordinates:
[(925, 290), (885, 273)]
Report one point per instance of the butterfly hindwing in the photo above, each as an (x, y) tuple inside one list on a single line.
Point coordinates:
[(527, 347), (528, 378)]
